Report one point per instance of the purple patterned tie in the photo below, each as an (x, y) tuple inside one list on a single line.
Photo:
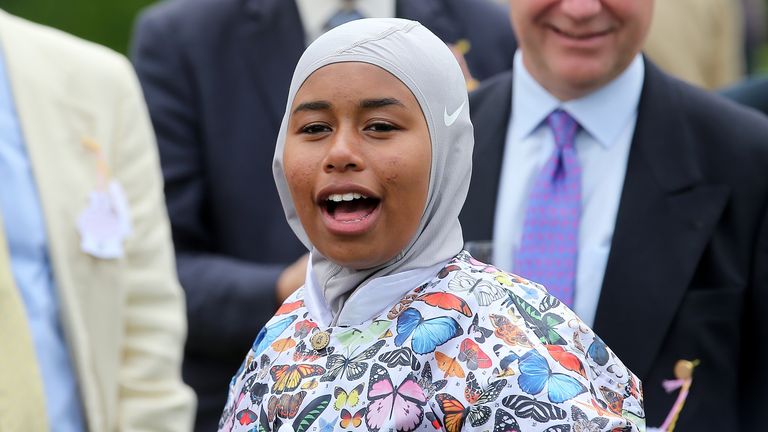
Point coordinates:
[(548, 249)]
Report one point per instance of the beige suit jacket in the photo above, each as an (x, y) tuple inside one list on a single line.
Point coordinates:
[(700, 41), (124, 318)]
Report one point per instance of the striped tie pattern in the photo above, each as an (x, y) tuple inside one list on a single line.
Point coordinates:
[(549, 245)]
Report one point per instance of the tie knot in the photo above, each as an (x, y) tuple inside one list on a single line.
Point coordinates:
[(563, 127), (345, 14)]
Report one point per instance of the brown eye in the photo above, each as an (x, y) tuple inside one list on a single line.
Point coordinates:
[(315, 128), (382, 127)]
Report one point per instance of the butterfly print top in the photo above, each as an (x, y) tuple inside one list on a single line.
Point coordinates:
[(472, 349)]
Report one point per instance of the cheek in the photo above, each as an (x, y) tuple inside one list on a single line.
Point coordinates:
[(300, 175), (406, 174), (393, 167)]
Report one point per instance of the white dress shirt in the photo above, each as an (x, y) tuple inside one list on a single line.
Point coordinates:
[(607, 118), (315, 13)]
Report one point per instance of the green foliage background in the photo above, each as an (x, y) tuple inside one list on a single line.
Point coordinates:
[(108, 22)]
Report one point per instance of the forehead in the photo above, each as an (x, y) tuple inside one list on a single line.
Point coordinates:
[(347, 81)]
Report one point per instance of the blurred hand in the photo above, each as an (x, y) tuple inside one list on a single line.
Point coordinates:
[(291, 279)]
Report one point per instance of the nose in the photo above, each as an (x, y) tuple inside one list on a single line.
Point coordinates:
[(581, 9), (344, 152)]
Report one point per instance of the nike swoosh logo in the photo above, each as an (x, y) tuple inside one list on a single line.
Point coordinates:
[(449, 119)]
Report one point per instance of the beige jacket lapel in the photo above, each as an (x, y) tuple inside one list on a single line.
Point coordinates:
[(53, 127)]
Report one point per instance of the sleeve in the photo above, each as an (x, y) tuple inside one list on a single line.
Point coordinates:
[(217, 286), (573, 370), (544, 369), (152, 395)]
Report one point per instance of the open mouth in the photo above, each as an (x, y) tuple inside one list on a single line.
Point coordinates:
[(350, 207)]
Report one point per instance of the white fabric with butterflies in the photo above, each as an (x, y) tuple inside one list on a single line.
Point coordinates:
[(473, 349)]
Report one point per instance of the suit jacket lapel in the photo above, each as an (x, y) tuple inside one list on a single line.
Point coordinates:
[(666, 217), (491, 108), (273, 40), (437, 13), (53, 128)]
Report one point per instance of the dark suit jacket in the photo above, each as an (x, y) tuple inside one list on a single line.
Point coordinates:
[(216, 74), (687, 276)]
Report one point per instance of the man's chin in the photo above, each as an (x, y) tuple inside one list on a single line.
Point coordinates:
[(577, 79)]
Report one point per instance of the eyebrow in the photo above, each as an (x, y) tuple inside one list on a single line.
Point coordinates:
[(380, 103), (313, 106), (365, 104)]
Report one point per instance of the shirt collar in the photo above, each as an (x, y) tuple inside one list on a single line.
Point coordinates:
[(603, 113), (315, 13), (367, 301)]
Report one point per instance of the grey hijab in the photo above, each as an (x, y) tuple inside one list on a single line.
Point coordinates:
[(414, 55)]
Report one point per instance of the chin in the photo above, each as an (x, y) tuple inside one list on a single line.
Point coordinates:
[(356, 257)]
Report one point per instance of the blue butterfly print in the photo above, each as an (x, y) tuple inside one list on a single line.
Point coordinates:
[(327, 426), (598, 351), (270, 333), (427, 334), (535, 374)]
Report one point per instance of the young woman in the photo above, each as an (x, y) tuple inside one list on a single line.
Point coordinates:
[(396, 328)]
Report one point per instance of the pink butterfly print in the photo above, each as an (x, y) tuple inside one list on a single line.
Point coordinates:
[(402, 404)]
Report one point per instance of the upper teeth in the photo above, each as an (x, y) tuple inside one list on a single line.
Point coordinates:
[(345, 197)]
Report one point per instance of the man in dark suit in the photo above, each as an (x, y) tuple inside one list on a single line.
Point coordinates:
[(216, 74), (672, 258)]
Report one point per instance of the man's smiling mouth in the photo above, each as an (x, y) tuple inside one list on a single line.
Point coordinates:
[(580, 35)]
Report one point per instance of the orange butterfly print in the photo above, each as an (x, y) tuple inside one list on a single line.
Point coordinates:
[(446, 301), (303, 328), (477, 412), (283, 344), (450, 366), (289, 307), (615, 400), (566, 359), (471, 353), (401, 306), (354, 420), (288, 377), (511, 334)]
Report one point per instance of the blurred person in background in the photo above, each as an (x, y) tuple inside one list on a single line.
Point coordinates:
[(755, 14), (699, 41), (216, 74), (657, 210), (92, 317)]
